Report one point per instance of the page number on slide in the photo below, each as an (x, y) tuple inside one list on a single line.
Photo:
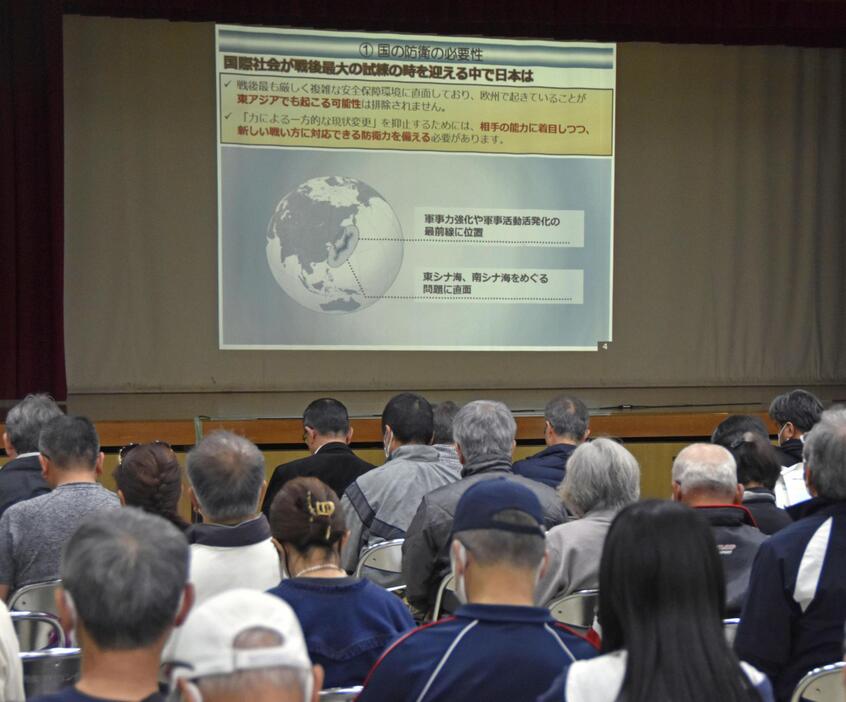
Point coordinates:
[(603, 345)]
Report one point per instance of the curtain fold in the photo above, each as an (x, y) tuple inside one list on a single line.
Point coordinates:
[(31, 194)]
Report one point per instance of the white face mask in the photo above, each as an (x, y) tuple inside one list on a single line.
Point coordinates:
[(460, 589), (778, 436)]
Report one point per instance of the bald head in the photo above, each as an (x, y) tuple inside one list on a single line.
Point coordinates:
[(706, 474)]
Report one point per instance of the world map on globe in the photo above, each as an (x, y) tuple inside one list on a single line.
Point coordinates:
[(334, 244)]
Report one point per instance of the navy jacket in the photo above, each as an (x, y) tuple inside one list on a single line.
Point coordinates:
[(484, 652), (347, 623), (20, 479), (738, 539), (796, 604), (334, 463), (548, 466)]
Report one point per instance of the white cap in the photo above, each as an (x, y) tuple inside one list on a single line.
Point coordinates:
[(204, 643)]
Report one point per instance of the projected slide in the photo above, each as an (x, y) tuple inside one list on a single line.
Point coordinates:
[(413, 192)]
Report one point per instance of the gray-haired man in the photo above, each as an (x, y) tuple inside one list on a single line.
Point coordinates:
[(484, 433), (233, 547), (705, 478), (123, 590), (565, 427), (20, 478)]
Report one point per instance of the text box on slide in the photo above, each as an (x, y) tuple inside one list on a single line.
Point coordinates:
[(497, 285)]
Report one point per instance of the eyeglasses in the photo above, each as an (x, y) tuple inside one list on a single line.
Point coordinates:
[(126, 449)]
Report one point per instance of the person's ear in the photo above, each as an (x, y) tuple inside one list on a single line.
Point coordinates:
[(544, 566), (121, 497), (261, 495), (7, 445), (319, 674), (586, 435), (459, 554), (513, 446), (186, 602), (460, 453), (344, 539), (677, 492), (349, 436), (195, 503), (65, 609), (809, 482), (789, 431), (45, 465), (98, 464), (738, 495)]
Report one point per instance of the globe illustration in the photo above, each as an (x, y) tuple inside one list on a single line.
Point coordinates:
[(334, 244)]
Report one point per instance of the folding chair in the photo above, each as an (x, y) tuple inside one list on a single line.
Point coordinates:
[(823, 684), (339, 694), (37, 597), (730, 629), (577, 610), (50, 670), (38, 630), (445, 600), (382, 563)]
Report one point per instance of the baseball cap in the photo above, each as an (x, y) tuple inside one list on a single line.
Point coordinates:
[(483, 501), (204, 644)]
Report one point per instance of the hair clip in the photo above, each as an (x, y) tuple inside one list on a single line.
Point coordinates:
[(322, 508)]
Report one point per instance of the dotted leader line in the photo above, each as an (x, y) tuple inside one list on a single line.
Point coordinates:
[(358, 282), (473, 241)]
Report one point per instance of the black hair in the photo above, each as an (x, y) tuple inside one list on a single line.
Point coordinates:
[(327, 417), (797, 406), (735, 426), (756, 459), (410, 418), (661, 599), (443, 415), (69, 441)]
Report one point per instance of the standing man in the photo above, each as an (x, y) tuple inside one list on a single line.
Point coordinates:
[(20, 478), (565, 427), (327, 434)]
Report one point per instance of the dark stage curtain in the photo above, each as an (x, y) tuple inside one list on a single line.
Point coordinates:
[(31, 208)]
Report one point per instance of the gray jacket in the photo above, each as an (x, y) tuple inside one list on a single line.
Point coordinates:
[(575, 549), (425, 553), (380, 504)]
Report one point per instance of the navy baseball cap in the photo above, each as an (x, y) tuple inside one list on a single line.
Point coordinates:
[(482, 501)]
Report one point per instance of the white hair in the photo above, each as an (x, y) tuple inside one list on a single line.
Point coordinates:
[(600, 474), (706, 467)]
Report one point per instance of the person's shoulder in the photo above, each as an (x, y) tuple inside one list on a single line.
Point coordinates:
[(578, 645)]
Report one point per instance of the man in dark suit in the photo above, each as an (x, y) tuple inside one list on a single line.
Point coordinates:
[(20, 478), (327, 433)]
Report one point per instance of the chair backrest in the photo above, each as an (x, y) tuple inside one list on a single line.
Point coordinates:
[(38, 630), (730, 629), (38, 597), (50, 670), (382, 563), (442, 597), (577, 610), (823, 684), (339, 694)]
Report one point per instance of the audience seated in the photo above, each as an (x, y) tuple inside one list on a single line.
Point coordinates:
[(602, 478), (20, 478), (661, 597), (565, 427), (484, 434), (123, 589), (498, 646), (243, 646), (148, 476), (443, 415), (233, 547), (705, 478), (380, 504), (758, 470), (327, 434), (33, 532), (795, 413), (347, 622), (794, 613), (11, 674)]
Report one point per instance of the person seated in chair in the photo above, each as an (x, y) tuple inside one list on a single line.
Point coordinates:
[(347, 621), (124, 589), (327, 434), (498, 646)]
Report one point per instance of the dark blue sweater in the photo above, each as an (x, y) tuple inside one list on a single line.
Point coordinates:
[(347, 623), (548, 466)]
